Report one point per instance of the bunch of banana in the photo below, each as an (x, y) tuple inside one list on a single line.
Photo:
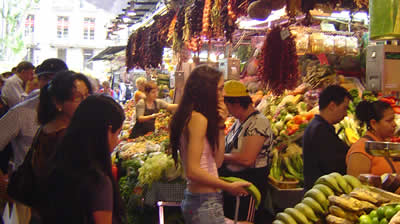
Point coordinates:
[(252, 189), (318, 202)]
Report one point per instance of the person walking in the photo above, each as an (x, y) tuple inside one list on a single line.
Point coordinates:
[(82, 188)]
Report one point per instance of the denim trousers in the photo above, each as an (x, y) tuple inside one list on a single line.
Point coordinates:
[(203, 208)]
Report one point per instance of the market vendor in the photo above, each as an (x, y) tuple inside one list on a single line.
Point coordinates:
[(323, 151), (148, 109), (247, 147), (139, 93), (379, 118)]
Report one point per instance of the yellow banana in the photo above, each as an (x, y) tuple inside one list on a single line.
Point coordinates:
[(353, 181), (316, 207), (319, 197), (307, 211), (339, 212), (252, 189), (276, 221), (286, 218), (324, 189), (341, 182), (329, 181), (297, 215), (331, 219)]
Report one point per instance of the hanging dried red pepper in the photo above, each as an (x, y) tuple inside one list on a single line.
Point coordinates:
[(278, 69), (206, 18)]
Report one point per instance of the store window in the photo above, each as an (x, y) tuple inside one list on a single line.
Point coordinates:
[(62, 54), (29, 25), (62, 27), (88, 28), (87, 54)]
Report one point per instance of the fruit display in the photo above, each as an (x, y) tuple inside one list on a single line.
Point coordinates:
[(342, 199)]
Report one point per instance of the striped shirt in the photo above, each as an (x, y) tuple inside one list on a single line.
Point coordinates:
[(19, 126)]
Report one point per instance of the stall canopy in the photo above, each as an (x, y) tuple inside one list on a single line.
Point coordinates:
[(108, 53)]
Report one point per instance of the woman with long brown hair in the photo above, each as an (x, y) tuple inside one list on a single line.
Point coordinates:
[(197, 134)]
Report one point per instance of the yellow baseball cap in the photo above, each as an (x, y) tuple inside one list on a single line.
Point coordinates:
[(234, 88)]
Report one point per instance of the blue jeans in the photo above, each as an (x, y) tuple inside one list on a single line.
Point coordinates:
[(203, 208)]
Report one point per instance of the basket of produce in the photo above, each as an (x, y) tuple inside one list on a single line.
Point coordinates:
[(283, 184)]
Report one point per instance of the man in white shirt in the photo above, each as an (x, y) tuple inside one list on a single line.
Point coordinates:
[(13, 91), (21, 124)]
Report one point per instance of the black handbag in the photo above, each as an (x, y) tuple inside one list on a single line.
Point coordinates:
[(21, 185)]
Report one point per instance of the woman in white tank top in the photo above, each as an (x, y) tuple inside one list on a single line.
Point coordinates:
[(197, 135)]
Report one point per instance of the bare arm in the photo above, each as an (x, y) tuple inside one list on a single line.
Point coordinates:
[(197, 128), (358, 164), (172, 107), (219, 153), (102, 217), (248, 154)]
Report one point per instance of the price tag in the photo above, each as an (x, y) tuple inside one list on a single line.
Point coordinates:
[(285, 34)]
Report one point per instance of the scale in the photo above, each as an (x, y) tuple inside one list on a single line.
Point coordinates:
[(383, 149)]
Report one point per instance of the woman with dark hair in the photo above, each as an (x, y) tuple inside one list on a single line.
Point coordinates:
[(148, 109), (197, 134), (379, 118), (247, 148), (83, 189), (57, 103)]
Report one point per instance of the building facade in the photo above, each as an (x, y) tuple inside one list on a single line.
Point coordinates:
[(73, 31)]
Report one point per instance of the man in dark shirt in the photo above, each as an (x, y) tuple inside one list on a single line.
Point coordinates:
[(323, 151)]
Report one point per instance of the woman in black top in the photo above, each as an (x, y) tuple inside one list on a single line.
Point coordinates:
[(147, 110), (82, 187)]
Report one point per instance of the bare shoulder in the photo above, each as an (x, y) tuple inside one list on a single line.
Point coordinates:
[(197, 122)]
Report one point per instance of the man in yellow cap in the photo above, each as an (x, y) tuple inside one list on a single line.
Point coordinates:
[(247, 148)]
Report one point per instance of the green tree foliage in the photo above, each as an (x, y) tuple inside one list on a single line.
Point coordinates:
[(12, 20)]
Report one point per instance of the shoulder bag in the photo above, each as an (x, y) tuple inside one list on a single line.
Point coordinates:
[(21, 183)]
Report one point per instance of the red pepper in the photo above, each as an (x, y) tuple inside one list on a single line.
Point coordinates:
[(396, 109), (389, 101), (114, 171)]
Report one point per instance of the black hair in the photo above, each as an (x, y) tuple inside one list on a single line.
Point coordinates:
[(83, 155), (243, 101), (366, 111), (332, 93), (199, 94), (58, 90)]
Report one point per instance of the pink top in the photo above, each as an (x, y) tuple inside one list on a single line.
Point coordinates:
[(207, 161)]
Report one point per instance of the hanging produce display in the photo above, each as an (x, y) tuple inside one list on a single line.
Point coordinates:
[(278, 67)]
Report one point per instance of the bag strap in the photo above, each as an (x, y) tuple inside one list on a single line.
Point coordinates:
[(386, 157)]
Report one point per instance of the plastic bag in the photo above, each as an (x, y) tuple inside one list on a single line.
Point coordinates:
[(10, 218)]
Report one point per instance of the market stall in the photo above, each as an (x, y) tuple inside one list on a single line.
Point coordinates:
[(285, 58)]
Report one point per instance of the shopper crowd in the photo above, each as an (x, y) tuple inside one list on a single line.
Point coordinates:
[(52, 123)]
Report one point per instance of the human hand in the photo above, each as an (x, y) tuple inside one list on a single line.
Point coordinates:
[(156, 115), (222, 113), (238, 188)]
